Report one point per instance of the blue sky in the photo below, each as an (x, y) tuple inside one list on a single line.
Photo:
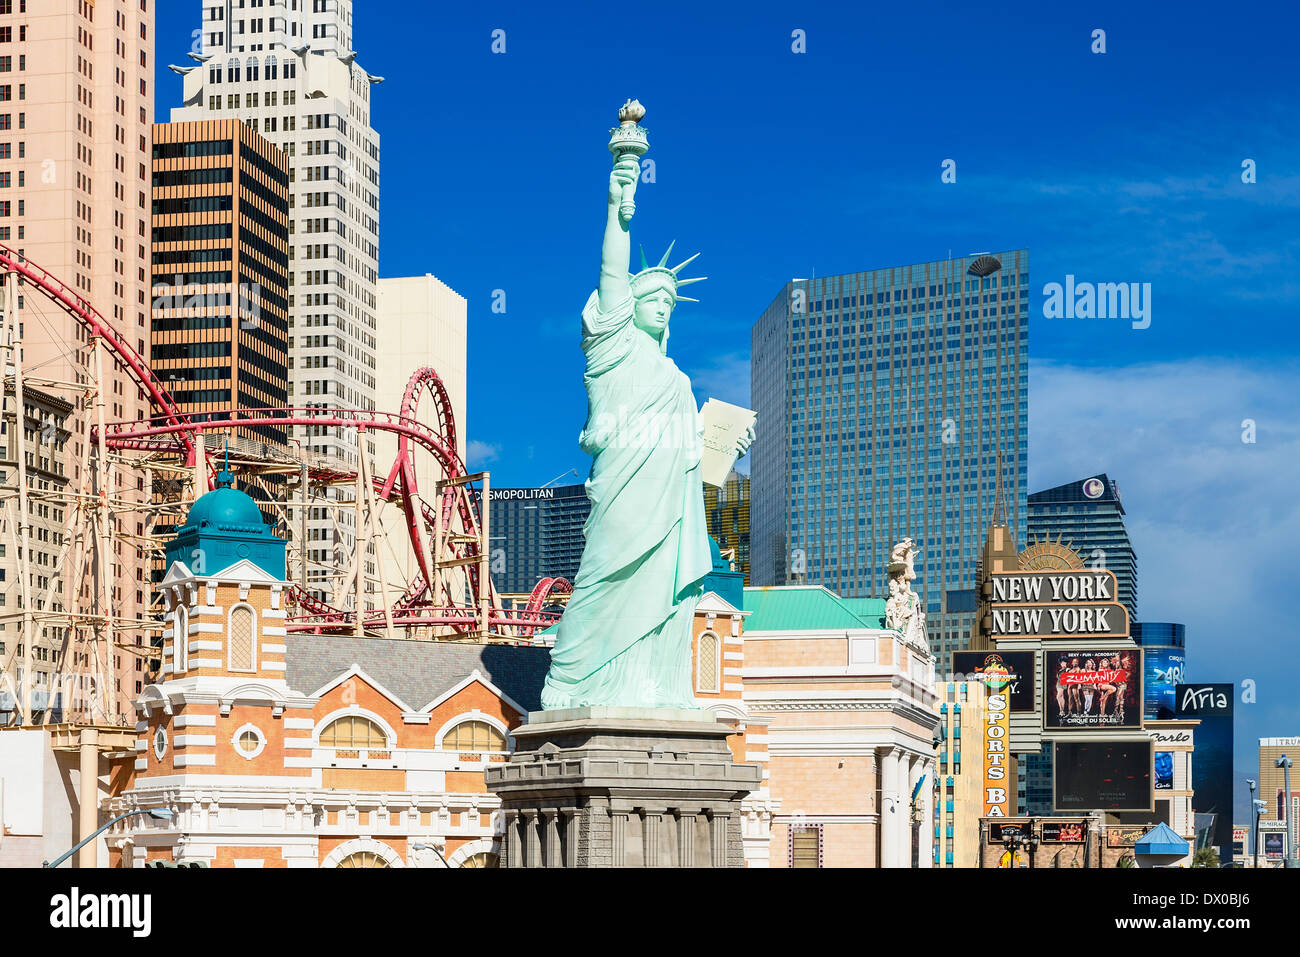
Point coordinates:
[(1117, 167)]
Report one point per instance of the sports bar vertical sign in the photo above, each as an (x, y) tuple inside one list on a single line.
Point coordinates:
[(997, 726)]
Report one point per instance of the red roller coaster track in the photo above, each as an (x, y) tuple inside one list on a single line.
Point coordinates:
[(173, 431)]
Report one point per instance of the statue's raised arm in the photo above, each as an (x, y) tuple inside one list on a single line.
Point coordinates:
[(628, 143), (616, 252)]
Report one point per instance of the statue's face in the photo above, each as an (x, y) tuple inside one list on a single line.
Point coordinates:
[(652, 312)]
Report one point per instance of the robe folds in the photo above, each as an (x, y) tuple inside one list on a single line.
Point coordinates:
[(624, 639)]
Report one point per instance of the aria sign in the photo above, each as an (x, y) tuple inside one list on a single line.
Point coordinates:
[(1056, 604)]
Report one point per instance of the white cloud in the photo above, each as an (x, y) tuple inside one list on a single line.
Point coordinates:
[(479, 454), (1215, 521)]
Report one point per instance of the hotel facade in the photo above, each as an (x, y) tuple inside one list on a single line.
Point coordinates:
[(886, 397), (76, 109), (221, 269)]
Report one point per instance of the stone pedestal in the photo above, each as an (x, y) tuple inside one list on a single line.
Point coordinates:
[(622, 787)]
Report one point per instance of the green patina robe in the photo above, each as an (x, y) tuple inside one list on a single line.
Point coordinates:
[(625, 637)]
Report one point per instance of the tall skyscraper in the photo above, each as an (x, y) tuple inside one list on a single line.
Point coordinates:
[(726, 509), (536, 534), (220, 325), (1088, 517), (76, 105), (884, 399), (291, 74)]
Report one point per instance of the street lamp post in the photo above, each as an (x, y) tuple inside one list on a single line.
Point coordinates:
[(1259, 812), (1254, 835), (160, 813), (430, 847), (1285, 764)]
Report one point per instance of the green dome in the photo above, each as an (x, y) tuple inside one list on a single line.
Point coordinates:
[(225, 526), (225, 506)]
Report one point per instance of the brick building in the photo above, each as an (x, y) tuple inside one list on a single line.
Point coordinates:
[(851, 716), (278, 750)]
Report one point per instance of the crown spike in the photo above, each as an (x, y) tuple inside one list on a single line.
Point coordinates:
[(680, 266), (686, 299), (668, 252), (687, 282), (644, 264)]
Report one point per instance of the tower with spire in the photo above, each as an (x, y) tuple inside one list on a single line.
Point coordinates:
[(222, 706)]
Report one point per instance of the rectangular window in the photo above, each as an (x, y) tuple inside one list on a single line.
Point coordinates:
[(806, 845)]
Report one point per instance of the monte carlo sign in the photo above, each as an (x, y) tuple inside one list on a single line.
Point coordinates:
[(1078, 603)]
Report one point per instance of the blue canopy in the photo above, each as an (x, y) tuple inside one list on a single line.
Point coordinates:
[(1161, 840)]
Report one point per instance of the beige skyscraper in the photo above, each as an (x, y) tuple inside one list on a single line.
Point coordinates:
[(422, 322), (290, 72), (76, 104)]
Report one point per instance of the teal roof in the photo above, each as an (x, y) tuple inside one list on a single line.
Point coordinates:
[(722, 581), (809, 608), (225, 506), (223, 527), (868, 609)]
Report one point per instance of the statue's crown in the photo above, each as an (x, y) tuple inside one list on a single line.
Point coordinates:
[(661, 275)]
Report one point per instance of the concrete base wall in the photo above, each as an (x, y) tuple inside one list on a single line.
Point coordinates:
[(622, 787)]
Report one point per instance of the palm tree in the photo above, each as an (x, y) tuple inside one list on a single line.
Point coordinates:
[(1206, 857)]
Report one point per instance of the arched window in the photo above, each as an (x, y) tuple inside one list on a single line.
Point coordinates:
[(474, 736), (485, 859), (353, 731), (363, 859), (232, 70), (252, 68), (708, 668), (271, 64), (241, 639), (180, 640)]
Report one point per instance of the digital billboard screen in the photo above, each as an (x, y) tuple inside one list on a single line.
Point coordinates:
[(1164, 771), (1015, 668), (1274, 844), (1087, 689), (1103, 775), (1000, 831), (1063, 832), (1163, 670)]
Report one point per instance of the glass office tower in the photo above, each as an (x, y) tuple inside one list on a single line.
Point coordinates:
[(883, 400), (1088, 517), (726, 510), (536, 533)]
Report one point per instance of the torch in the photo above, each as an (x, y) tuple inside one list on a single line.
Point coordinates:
[(628, 139)]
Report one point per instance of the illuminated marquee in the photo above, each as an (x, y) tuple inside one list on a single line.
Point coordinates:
[(997, 725), (1055, 604)]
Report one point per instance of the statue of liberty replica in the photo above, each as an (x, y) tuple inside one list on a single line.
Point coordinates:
[(625, 637), (622, 768)]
